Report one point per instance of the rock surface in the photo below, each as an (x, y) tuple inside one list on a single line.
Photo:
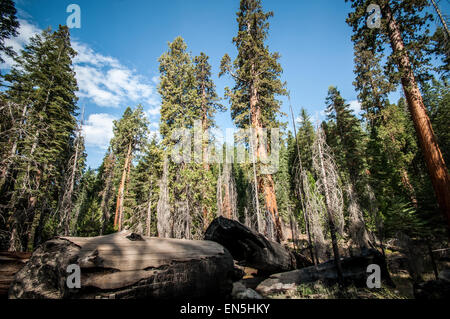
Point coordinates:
[(125, 265), (250, 248), (354, 272), (240, 291)]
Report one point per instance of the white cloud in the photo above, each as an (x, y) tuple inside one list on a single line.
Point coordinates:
[(153, 111), (107, 82), (154, 125), (98, 130), (102, 79), (156, 79), (355, 106), (25, 32)]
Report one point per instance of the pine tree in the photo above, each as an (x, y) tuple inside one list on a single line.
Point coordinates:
[(209, 104), (371, 83), (345, 135), (44, 85), (180, 109), (145, 189), (253, 99), (87, 220), (8, 26), (71, 184), (129, 136), (402, 26), (436, 97), (106, 176)]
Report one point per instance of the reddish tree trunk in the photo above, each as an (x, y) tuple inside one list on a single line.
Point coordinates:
[(433, 157), (265, 182)]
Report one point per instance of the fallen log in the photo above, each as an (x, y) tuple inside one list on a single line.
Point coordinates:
[(250, 248), (354, 272), (10, 264), (126, 265)]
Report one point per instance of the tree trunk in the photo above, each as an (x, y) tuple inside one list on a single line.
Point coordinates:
[(149, 213), (107, 193), (433, 157), (250, 248), (67, 197), (204, 150), (5, 170), (265, 183), (337, 257), (125, 265), (120, 193), (305, 214)]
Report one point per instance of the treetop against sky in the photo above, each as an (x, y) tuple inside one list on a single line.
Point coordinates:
[(119, 43)]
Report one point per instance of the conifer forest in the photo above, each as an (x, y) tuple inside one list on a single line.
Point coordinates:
[(315, 198)]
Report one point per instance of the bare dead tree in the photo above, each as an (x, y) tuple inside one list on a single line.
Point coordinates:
[(107, 191), (299, 183), (356, 223), (328, 183), (226, 193), (72, 179), (164, 216), (316, 208)]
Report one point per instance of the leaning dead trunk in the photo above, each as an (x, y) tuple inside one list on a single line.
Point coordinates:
[(328, 179)]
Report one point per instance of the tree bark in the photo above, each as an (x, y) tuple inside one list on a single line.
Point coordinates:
[(204, 149), (120, 192), (250, 248), (337, 257), (125, 265), (67, 197), (149, 213), (265, 183), (433, 157), (107, 192)]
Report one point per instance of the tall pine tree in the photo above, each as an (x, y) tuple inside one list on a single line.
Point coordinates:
[(256, 72)]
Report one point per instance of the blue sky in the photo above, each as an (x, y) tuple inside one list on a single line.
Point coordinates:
[(120, 41)]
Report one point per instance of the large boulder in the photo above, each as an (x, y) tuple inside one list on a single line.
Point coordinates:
[(354, 272), (125, 265), (240, 291)]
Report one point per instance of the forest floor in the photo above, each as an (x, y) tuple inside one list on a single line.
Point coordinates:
[(398, 267)]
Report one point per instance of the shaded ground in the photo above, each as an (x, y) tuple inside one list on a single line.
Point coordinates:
[(401, 268)]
